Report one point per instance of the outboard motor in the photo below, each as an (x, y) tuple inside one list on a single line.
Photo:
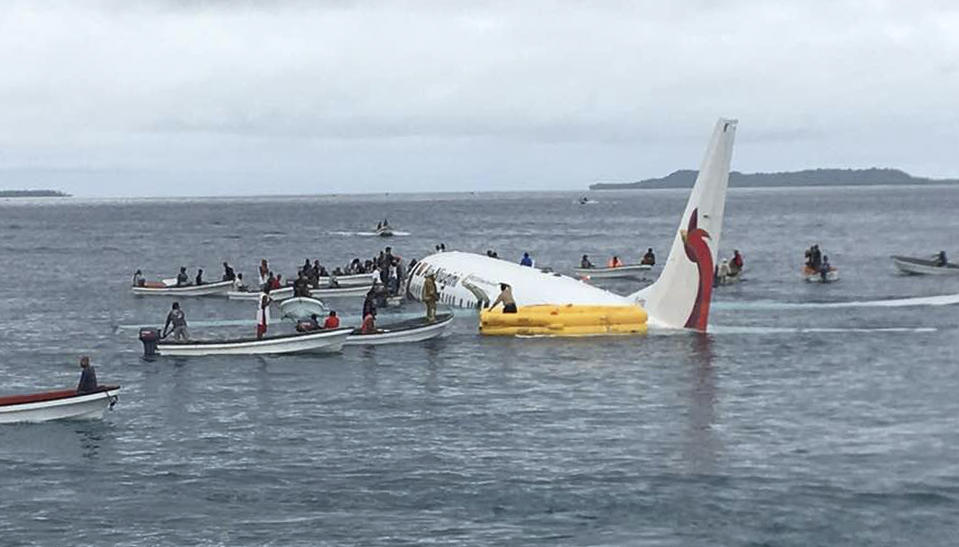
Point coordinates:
[(150, 337)]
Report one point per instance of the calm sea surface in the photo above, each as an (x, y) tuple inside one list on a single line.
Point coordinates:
[(792, 423)]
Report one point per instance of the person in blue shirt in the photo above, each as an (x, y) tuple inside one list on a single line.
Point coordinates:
[(527, 261)]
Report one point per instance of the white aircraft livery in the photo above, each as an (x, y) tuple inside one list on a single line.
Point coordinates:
[(679, 298)]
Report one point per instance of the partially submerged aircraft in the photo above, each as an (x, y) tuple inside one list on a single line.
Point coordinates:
[(557, 305)]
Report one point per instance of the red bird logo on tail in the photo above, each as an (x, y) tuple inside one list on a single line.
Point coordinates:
[(697, 249)]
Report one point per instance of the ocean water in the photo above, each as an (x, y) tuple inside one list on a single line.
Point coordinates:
[(792, 423)]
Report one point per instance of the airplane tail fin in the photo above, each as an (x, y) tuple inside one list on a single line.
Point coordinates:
[(681, 295)]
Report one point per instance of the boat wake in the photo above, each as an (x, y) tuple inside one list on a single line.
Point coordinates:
[(940, 300)]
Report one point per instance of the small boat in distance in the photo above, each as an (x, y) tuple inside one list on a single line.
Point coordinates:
[(404, 332), (383, 229), (320, 341), (812, 276), (924, 266), (64, 404), (626, 271), (162, 289)]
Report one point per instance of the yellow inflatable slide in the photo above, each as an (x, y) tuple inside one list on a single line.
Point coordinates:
[(565, 320)]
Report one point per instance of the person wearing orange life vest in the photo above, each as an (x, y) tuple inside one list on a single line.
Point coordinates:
[(614, 262), (332, 321)]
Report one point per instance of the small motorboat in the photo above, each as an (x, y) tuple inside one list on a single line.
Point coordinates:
[(812, 276), (924, 266), (355, 280), (319, 341), (404, 332), (385, 231), (65, 404), (277, 295), (162, 289), (302, 307), (619, 272)]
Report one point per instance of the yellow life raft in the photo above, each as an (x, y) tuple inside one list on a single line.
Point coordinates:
[(564, 320)]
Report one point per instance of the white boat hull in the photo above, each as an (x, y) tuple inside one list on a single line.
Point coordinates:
[(277, 295), (207, 289), (91, 406), (918, 266), (622, 272), (401, 336), (310, 342), (302, 307), (356, 280)]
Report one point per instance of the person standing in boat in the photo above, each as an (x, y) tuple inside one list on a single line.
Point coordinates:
[(264, 272), (430, 296), (263, 313), (649, 258), (506, 298), (824, 268), (138, 280), (228, 273), (301, 287), (177, 320), (941, 259), (182, 279), (88, 377), (585, 263), (199, 276)]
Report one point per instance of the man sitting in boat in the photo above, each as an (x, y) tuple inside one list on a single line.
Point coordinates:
[(177, 319), (311, 324), (228, 273), (941, 259), (585, 263), (182, 279), (722, 272), (301, 287), (369, 324), (238, 284), (614, 262), (526, 261), (138, 280), (332, 321), (649, 258), (506, 297), (736, 264), (199, 276), (88, 377)]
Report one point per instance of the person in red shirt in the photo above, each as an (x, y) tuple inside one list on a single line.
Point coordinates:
[(332, 321), (369, 324)]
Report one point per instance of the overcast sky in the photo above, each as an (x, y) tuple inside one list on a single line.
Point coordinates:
[(209, 98)]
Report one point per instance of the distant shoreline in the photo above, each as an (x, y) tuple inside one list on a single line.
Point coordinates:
[(685, 178), (33, 194)]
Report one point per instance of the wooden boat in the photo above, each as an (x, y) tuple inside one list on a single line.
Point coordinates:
[(300, 342), (923, 266), (619, 272), (812, 276), (302, 307), (405, 332), (65, 404), (161, 289)]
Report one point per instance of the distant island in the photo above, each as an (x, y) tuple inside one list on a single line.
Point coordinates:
[(685, 178), (33, 194)]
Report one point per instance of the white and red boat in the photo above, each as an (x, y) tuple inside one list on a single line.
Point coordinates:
[(65, 404)]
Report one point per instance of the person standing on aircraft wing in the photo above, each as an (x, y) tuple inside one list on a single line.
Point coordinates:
[(430, 296)]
